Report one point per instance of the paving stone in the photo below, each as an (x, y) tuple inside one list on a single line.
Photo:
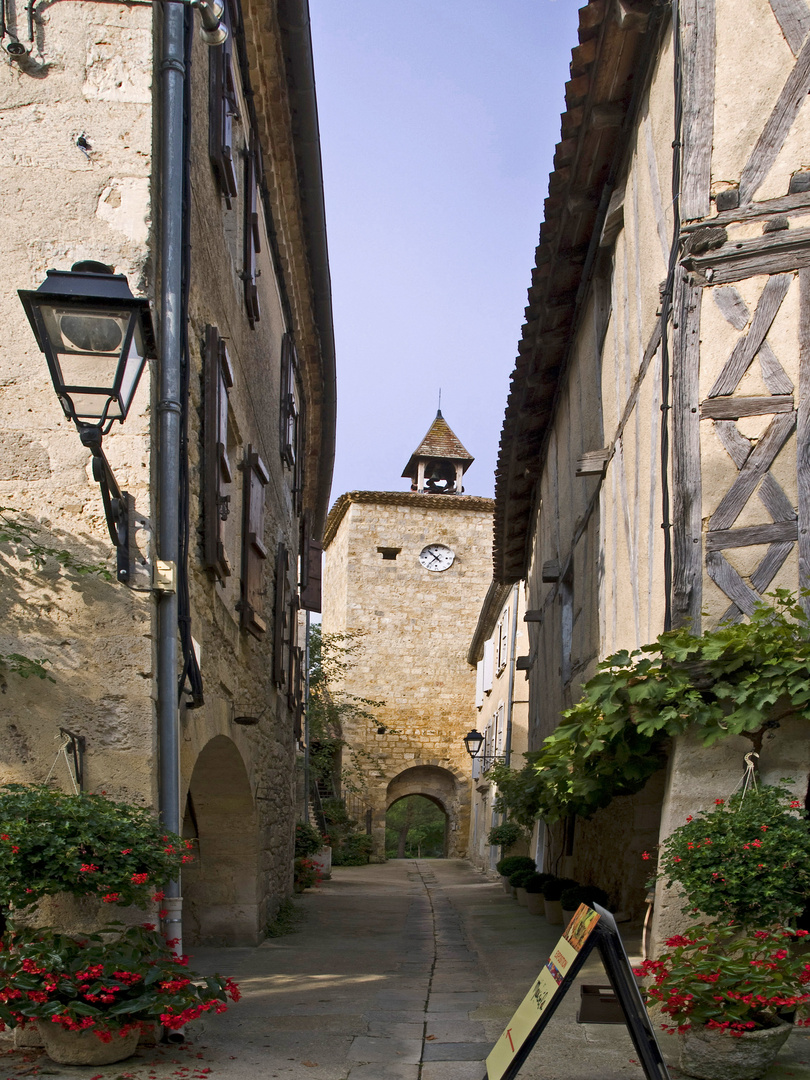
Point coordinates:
[(454, 1070), (379, 1071), (396, 1031), (446, 1027), (459, 1002), (367, 1048), (458, 1051), (396, 1016)]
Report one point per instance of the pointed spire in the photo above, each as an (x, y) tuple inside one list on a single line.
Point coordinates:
[(439, 462)]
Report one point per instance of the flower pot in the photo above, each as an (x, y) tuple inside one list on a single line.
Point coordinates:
[(507, 888), (567, 915), (521, 895), (85, 1047), (554, 913), (711, 1054), (323, 861), (536, 903)]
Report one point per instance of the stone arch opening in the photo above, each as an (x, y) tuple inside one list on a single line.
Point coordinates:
[(416, 826), (441, 788), (221, 902)]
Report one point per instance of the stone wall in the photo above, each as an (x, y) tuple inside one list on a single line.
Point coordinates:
[(416, 627)]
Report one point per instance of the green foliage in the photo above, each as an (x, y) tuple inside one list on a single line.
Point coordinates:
[(82, 844), (583, 894), (556, 886), (518, 878), (506, 834), (747, 860), (537, 882), (420, 823), (307, 839), (726, 682), (511, 863), (287, 919), (103, 981), (718, 976), (354, 851), (26, 667)]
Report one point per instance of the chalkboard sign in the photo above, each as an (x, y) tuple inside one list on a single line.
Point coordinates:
[(591, 928)]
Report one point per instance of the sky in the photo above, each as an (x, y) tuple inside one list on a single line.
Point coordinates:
[(438, 122)]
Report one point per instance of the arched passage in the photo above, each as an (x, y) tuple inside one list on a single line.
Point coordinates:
[(416, 827), (221, 903), (441, 787)]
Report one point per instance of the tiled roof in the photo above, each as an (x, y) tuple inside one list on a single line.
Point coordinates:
[(618, 39), (440, 442)]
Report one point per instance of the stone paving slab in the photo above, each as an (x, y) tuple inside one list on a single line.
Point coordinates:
[(456, 1051), (457, 1070), (386, 1048)]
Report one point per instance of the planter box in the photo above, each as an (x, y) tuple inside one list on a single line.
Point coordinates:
[(536, 903)]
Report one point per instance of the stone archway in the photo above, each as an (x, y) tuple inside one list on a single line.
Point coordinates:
[(435, 802), (441, 787), (221, 902)]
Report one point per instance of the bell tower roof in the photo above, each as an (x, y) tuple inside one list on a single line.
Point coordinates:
[(438, 463)]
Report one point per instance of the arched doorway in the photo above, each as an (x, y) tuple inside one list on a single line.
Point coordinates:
[(221, 902), (441, 788), (416, 827)]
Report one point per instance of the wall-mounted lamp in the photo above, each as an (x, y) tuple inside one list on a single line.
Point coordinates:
[(473, 741), (96, 337)]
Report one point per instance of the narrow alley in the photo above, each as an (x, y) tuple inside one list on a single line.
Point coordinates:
[(403, 971)]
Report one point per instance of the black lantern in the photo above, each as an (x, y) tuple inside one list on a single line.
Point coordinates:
[(473, 741), (96, 337)]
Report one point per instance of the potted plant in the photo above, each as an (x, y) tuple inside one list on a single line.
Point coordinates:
[(306, 874), (90, 995), (518, 882), (310, 844), (510, 864), (746, 860), (571, 898), (535, 901), (552, 891), (506, 834), (723, 988)]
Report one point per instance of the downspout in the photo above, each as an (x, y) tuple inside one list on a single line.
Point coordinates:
[(172, 84)]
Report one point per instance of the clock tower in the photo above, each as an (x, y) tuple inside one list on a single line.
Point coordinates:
[(409, 570)]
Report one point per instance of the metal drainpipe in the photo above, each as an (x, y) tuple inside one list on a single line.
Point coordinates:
[(172, 81)]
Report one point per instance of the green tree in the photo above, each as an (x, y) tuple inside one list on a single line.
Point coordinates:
[(415, 829)]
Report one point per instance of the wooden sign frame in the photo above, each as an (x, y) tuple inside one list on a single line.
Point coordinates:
[(591, 928)]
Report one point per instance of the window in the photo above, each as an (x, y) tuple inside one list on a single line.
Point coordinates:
[(479, 684), (222, 111), (280, 614), (254, 553), (292, 419), (217, 475), (389, 554), (311, 568), (252, 231), (489, 660), (502, 640)]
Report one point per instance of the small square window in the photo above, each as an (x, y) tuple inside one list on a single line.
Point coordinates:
[(389, 553)]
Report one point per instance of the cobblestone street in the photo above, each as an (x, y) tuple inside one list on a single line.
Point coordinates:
[(402, 971)]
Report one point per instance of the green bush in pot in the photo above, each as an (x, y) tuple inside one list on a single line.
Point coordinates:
[(572, 897), (536, 882), (519, 878), (556, 886), (508, 865)]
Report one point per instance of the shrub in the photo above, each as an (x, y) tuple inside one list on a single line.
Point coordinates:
[(583, 894), (536, 882), (103, 981), (506, 835), (511, 863), (719, 976), (306, 874), (519, 878), (556, 886), (746, 860), (307, 840), (353, 851), (82, 844)]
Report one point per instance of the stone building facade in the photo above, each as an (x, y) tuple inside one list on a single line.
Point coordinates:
[(409, 570), (653, 465), (499, 651), (86, 176)]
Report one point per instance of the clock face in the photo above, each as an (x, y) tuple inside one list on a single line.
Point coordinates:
[(436, 557)]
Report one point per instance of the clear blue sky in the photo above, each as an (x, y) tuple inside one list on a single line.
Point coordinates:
[(438, 123)]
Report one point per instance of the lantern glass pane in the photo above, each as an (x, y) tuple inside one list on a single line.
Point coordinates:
[(87, 343), (131, 371)]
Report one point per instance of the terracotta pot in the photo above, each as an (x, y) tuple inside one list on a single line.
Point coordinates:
[(536, 903), (521, 896), (554, 912), (84, 1047), (710, 1054)]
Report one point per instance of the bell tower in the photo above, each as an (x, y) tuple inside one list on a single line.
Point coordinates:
[(439, 462)]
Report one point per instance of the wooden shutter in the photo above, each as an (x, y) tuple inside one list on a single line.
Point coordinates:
[(290, 441), (252, 232), (217, 476), (311, 573), (254, 553), (222, 110), (280, 614)]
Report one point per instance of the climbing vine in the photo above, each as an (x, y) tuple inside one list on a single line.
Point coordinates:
[(734, 680)]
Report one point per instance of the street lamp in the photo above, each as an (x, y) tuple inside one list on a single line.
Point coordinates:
[(473, 741), (96, 337)]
